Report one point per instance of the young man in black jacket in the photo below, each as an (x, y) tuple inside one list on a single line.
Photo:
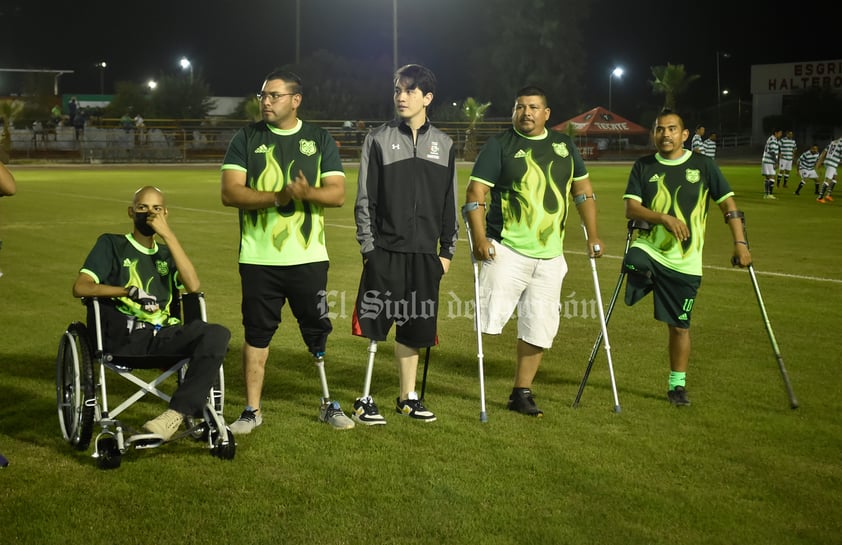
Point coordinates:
[(407, 228)]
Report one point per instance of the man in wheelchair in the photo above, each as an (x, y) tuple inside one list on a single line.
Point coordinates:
[(143, 279)]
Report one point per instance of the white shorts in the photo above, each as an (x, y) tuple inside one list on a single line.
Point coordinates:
[(829, 173), (767, 170), (786, 164), (512, 281), (808, 174)]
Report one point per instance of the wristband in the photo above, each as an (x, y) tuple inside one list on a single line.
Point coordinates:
[(277, 204), (741, 242)]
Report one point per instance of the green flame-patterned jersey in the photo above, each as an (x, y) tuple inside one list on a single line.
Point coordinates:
[(119, 260), (682, 188), (530, 180), (271, 158)]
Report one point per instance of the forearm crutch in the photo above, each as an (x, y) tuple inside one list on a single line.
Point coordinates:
[(602, 321), (793, 402), (632, 225), (468, 207)]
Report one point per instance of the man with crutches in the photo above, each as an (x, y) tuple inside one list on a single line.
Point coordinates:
[(407, 228), (530, 174), (671, 190)]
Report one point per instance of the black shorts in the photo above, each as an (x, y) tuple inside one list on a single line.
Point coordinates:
[(266, 288), (401, 289), (674, 293)]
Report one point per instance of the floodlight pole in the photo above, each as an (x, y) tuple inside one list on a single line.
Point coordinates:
[(616, 72), (394, 35), (719, 90)]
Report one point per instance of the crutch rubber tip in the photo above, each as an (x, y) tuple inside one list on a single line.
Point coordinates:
[(3, 461), (596, 248), (483, 417)]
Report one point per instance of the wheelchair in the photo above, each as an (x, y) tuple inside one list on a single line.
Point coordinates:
[(83, 400)]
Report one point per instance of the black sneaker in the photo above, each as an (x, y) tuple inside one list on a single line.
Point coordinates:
[(678, 396), (522, 401), (365, 412), (414, 409)]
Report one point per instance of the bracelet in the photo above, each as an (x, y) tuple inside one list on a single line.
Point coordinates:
[(277, 204), (741, 242)]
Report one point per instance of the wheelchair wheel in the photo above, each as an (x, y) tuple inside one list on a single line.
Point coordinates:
[(109, 453), (220, 448), (75, 386)]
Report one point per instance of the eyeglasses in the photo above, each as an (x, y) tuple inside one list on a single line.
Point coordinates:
[(273, 97)]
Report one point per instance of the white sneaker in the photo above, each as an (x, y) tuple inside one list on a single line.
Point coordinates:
[(333, 415), (165, 425), (249, 420)]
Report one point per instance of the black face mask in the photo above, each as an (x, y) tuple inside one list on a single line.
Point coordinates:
[(141, 225)]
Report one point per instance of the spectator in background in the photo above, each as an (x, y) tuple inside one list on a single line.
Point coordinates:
[(126, 122), (698, 137), (787, 154), (360, 131), (56, 115), (709, 146), (73, 110), (79, 120), (140, 127)]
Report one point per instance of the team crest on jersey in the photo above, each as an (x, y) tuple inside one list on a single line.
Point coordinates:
[(560, 149), (307, 147), (162, 267), (692, 175), (434, 151)]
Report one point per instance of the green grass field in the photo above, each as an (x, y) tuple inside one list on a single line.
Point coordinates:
[(737, 467)]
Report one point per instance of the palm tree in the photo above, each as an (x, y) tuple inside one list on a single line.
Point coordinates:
[(671, 81), (9, 110), (473, 112)]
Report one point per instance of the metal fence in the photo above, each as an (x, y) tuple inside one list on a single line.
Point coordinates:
[(171, 141)]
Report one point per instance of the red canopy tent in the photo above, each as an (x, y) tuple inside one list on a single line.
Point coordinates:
[(600, 123)]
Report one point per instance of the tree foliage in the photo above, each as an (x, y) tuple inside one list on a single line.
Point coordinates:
[(336, 87), (473, 112), (531, 42), (671, 81), (9, 111)]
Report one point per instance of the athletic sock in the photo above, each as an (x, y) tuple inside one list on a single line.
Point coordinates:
[(817, 187), (779, 181), (786, 179), (822, 191), (800, 185), (677, 379)]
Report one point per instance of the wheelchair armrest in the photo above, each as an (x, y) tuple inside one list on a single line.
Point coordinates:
[(193, 307)]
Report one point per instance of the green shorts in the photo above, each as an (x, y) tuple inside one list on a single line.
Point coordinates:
[(674, 293)]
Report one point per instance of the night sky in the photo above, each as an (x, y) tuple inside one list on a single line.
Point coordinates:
[(233, 44)]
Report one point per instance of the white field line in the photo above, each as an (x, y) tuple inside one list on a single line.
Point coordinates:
[(348, 226)]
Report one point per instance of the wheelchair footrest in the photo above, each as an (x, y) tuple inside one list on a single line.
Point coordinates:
[(145, 440)]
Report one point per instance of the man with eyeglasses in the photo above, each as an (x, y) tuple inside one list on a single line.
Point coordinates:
[(281, 172)]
